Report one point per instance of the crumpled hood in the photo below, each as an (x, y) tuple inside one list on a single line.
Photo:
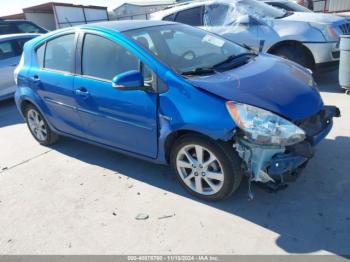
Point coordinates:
[(314, 18), (267, 82)]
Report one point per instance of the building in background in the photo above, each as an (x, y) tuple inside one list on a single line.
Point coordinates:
[(54, 15), (139, 10)]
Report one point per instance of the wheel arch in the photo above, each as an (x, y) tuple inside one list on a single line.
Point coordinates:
[(173, 136), (294, 43)]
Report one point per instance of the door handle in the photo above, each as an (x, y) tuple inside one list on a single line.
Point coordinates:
[(36, 79), (83, 92)]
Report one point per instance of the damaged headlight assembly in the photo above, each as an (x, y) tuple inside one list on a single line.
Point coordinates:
[(263, 127)]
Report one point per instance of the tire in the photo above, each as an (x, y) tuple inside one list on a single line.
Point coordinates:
[(38, 126), (294, 53), (217, 178)]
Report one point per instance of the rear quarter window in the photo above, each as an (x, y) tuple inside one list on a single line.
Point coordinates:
[(192, 16), (40, 53)]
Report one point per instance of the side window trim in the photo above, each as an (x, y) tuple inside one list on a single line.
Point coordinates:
[(79, 58), (72, 66)]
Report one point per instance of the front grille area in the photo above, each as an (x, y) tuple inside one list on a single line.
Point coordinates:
[(314, 124), (345, 29)]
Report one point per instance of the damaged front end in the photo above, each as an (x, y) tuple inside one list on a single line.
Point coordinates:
[(273, 149)]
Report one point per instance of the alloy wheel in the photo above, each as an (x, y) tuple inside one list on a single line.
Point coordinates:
[(37, 125), (200, 169)]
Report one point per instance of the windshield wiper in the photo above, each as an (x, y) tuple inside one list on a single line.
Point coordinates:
[(232, 58), (199, 71)]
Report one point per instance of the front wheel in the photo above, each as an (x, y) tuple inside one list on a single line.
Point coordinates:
[(207, 169)]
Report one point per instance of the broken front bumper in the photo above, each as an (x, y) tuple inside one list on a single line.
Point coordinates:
[(277, 165)]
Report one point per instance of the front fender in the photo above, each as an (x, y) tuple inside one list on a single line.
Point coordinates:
[(185, 107)]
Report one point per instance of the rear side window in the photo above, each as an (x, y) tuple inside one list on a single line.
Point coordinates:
[(59, 54), (6, 28), (25, 27), (7, 50), (104, 59), (193, 16)]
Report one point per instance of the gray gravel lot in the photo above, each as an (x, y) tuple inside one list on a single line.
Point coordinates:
[(75, 198)]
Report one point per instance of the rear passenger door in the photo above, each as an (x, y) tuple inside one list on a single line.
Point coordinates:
[(52, 77)]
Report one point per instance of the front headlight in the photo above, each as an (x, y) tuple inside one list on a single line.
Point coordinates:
[(263, 127), (327, 31)]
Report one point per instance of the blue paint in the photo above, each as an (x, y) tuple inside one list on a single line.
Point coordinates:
[(138, 122)]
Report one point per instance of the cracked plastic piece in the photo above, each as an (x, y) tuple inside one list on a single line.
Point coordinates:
[(257, 159)]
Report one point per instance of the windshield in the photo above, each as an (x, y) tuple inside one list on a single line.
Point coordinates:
[(186, 48), (259, 9)]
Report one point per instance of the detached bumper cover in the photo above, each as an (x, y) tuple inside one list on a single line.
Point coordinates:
[(275, 165), (316, 128)]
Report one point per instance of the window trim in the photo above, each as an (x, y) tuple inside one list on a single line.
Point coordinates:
[(79, 59), (73, 64)]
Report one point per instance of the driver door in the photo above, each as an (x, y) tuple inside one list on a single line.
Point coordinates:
[(121, 119)]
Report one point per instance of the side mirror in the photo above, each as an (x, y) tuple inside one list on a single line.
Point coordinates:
[(130, 80)]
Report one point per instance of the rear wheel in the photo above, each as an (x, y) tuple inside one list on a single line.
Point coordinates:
[(207, 169), (38, 126)]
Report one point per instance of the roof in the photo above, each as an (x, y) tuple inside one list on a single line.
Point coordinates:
[(146, 3), (14, 16), (48, 7), (17, 36), (126, 25)]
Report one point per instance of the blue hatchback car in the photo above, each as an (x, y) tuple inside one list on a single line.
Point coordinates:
[(170, 93)]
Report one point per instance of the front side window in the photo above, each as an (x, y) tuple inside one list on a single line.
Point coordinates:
[(193, 16), (7, 50), (59, 53), (104, 59), (185, 48), (215, 14)]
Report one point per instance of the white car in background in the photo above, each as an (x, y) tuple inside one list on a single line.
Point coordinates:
[(11, 47), (310, 39)]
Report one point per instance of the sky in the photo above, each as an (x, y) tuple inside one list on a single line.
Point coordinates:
[(8, 7)]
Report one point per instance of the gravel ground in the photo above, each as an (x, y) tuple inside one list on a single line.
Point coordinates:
[(74, 198)]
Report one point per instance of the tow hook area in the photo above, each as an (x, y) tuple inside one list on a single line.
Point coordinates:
[(272, 166)]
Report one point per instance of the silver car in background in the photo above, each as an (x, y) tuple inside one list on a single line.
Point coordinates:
[(11, 47), (310, 39)]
